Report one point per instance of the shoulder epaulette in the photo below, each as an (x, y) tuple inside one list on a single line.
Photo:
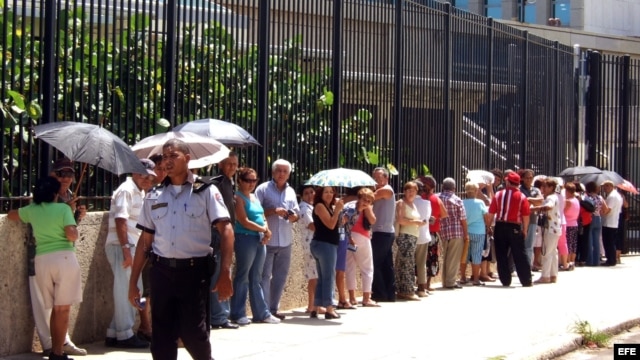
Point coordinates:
[(202, 183)]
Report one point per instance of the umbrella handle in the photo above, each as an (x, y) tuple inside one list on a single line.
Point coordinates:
[(84, 168)]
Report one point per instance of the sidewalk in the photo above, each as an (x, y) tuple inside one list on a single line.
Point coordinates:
[(489, 322)]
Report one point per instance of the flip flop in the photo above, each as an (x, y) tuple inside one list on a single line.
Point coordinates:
[(371, 304)]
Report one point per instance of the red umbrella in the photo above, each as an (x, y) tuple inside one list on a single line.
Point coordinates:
[(628, 186)]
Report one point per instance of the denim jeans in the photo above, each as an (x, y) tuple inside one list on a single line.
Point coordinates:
[(124, 315), (274, 275), (593, 257), (250, 256), (529, 240), (219, 309), (326, 255)]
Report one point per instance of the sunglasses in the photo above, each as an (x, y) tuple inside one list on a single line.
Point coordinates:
[(64, 174), (249, 180)]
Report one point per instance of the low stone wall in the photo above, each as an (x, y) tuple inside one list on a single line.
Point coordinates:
[(89, 320)]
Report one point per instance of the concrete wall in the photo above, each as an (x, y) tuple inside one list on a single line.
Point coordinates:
[(89, 319)]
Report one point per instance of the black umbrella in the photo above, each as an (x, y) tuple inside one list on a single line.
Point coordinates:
[(600, 178), (90, 144), (580, 170), (227, 133)]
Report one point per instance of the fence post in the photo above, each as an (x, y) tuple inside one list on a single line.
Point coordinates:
[(488, 90), (555, 107), (336, 63), (171, 60), (446, 97), (625, 103), (48, 78), (263, 85), (524, 87), (594, 60), (398, 87)]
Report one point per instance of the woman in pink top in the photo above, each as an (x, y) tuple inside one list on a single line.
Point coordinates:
[(571, 213)]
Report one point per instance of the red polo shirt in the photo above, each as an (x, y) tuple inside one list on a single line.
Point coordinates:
[(435, 212), (509, 205)]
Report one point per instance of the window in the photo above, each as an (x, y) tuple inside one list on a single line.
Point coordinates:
[(461, 4), (529, 15), (493, 8), (562, 11)]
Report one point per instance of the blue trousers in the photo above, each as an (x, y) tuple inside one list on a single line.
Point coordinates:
[(250, 256), (325, 255), (593, 256)]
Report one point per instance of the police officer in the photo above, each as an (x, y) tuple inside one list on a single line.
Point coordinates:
[(510, 209), (176, 222)]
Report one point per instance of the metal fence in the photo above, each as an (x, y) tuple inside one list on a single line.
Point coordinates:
[(612, 124)]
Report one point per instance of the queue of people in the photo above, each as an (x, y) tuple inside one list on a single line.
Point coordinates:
[(175, 233)]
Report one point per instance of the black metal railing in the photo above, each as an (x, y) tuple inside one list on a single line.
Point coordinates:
[(420, 85)]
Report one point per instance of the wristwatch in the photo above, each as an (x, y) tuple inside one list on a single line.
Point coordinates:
[(128, 246)]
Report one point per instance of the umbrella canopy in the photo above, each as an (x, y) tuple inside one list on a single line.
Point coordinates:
[(341, 177), (480, 176), (580, 170), (91, 144), (227, 133), (628, 186), (204, 151), (604, 176)]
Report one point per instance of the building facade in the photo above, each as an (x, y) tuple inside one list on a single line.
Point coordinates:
[(611, 17)]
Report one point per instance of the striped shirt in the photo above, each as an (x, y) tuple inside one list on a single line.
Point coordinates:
[(509, 205)]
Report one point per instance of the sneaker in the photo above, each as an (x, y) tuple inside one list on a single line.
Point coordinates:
[(242, 321), (133, 342), (71, 349), (110, 342), (270, 320)]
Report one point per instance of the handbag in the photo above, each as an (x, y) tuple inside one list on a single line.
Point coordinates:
[(543, 220)]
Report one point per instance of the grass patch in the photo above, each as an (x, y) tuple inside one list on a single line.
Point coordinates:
[(590, 338)]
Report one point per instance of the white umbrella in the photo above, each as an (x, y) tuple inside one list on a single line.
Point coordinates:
[(227, 133), (204, 150), (341, 177), (480, 176)]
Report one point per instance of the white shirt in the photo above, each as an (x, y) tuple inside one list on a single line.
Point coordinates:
[(553, 215), (126, 203), (614, 202), (424, 209)]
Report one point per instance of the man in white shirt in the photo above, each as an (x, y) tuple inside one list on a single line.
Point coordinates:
[(610, 222)]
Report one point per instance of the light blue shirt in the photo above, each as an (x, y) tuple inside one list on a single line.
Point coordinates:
[(270, 198), (181, 221), (475, 209)]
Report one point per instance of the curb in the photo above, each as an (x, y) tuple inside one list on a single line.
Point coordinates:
[(573, 342)]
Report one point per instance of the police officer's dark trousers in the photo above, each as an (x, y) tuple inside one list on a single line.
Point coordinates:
[(180, 297)]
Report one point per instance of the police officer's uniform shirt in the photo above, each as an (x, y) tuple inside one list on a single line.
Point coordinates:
[(181, 221)]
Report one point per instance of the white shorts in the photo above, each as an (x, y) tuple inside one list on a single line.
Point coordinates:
[(58, 277)]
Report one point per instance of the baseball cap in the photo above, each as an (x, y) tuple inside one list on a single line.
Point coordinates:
[(149, 165), (513, 178), (62, 164)]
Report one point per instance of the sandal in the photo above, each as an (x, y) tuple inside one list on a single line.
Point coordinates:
[(370, 303), (345, 305), (478, 283)]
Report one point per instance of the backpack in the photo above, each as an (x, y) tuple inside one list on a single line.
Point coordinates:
[(588, 204)]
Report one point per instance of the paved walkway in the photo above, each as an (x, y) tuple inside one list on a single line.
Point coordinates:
[(489, 322)]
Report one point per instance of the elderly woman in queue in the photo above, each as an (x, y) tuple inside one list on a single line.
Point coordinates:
[(595, 230), (571, 214), (551, 227), (251, 234), (57, 268), (324, 247), (307, 193), (409, 221), (478, 220), (359, 217)]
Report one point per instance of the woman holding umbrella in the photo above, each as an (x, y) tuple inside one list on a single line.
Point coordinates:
[(57, 269), (324, 246)]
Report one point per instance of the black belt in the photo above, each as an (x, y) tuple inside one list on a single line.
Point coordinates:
[(180, 263)]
